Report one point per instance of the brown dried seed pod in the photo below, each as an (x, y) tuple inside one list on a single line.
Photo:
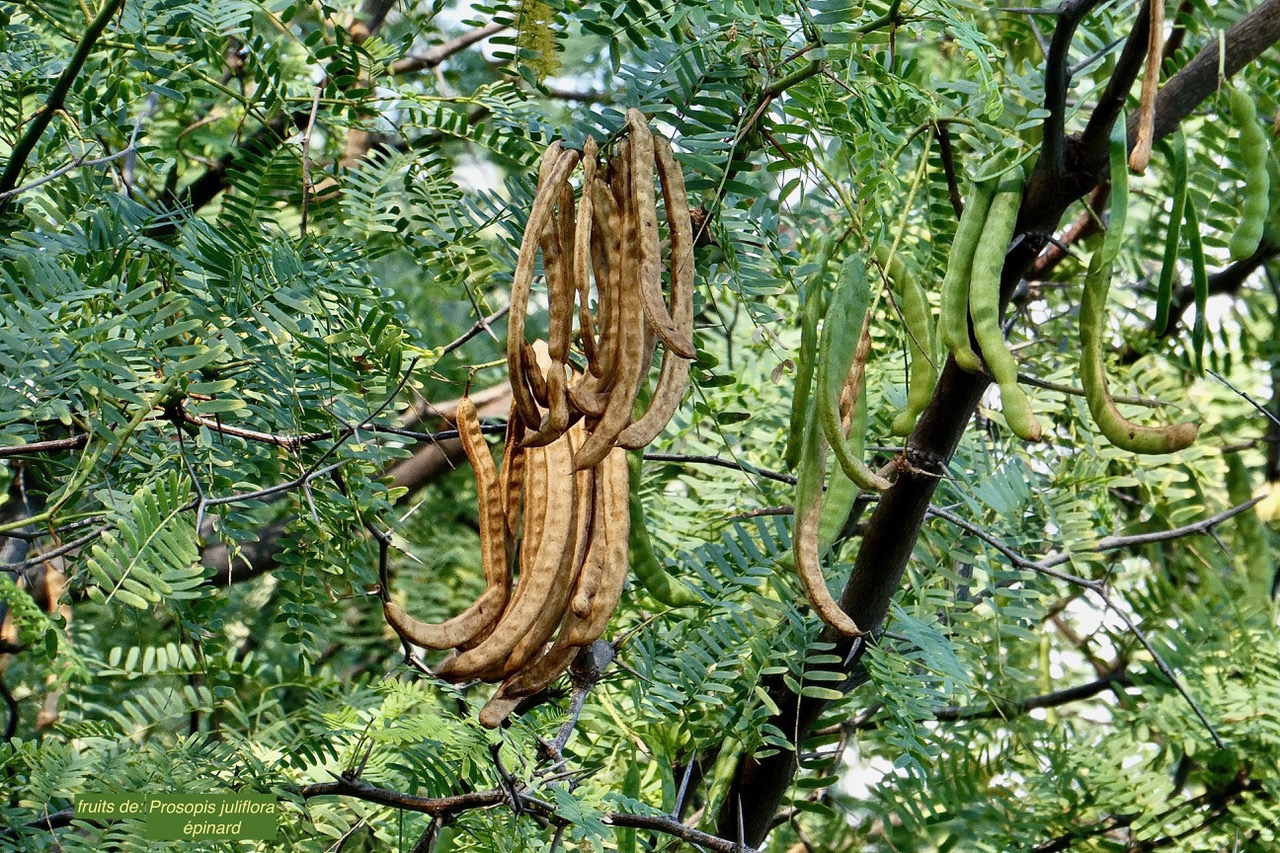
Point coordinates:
[(556, 420), (614, 490), (576, 632), (554, 171), (581, 261), (511, 477), (607, 249), (557, 242), (591, 395), (535, 377), (674, 376), (645, 211), (484, 612), (631, 368), (808, 513), (586, 400), (553, 608), (593, 564), (546, 560)]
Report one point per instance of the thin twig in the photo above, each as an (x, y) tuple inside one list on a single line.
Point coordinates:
[(481, 325), (307, 185), (1028, 379), (288, 442), (695, 459), (438, 806), (1004, 710), (1113, 543), (1252, 402), (1162, 665)]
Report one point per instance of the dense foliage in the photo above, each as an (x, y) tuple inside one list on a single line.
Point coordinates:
[(243, 243)]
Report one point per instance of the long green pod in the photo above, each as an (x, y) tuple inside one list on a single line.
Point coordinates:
[(917, 316), (1177, 152), (842, 492), (953, 312), (1199, 282), (1118, 430), (1253, 160), (812, 313), (1118, 151), (984, 306), (841, 331), (644, 560), (1271, 231)]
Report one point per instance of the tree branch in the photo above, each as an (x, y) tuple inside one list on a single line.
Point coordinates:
[(1017, 707), (438, 54), (1057, 79), (439, 806), (55, 102)]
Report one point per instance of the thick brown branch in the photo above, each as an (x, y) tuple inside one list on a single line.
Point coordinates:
[(1057, 80)]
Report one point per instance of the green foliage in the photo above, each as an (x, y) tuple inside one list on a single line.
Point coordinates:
[(209, 343)]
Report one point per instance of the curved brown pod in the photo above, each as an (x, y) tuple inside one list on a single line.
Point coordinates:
[(614, 490), (557, 163), (554, 606), (581, 263), (557, 243), (546, 559), (674, 375), (645, 211), (486, 609), (630, 368)]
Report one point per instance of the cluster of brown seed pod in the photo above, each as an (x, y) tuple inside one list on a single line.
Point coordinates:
[(555, 521), (611, 237)]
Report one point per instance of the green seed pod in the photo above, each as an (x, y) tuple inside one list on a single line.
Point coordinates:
[(842, 492), (1177, 149), (1253, 160), (1272, 230), (644, 561), (984, 306), (918, 319), (1114, 426), (953, 313), (812, 313), (841, 331)]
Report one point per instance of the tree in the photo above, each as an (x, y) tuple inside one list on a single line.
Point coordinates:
[(251, 249)]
